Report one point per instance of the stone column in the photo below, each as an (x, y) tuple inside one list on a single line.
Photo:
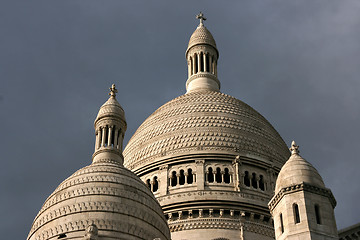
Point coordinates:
[(193, 64), (152, 185), (271, 177), (236, 165), (163, 179), (96, 139), (200, 174), (186, 176), (200, 213), (210, 63), (222, 176), (99, 138), (178, 178), (189, 67), (109, 136), (116, 138), (180, 214), (103, 136)]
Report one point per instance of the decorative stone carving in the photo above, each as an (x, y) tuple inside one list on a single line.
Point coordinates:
[(91, 232)]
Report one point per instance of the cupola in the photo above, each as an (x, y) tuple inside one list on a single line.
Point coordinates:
[(296, 171), (302, 207), (110, 127), (202, 56)]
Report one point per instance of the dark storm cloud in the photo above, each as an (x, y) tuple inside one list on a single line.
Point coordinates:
[(296, 62)]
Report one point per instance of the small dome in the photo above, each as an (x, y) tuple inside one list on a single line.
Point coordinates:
[(111, 108), (201, 36), (297, 170), (105, 195)]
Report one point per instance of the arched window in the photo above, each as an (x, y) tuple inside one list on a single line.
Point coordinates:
[(196, 63), (227, 176), (173, 179), (210, 175), (190, 177), (253, 181), (261, 183), (317, 214), (112, 136), (148, 183), (207, 63), (182, 177), (296, 213), (156, 184), (218, 175), (201, 56), (281, 223), (247, 179), (191, 66), (106, 136)]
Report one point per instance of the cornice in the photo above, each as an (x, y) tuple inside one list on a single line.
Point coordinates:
[(301, 187)]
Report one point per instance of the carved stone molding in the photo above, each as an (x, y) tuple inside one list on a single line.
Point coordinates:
[(302, 187)]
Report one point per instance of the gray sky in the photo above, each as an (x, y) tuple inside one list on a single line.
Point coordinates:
[(296, 62)]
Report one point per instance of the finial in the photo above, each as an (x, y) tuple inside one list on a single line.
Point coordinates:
[(294, 148), (201, 17), (113, 91)]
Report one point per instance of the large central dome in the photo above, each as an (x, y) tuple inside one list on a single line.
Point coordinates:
[(203, 121), (210, 159)]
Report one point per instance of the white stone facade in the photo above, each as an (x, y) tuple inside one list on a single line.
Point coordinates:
[(302, 207), (210, 159), (103, 200), (204, 166)]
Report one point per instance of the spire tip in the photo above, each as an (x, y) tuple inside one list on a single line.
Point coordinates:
[(294, 148), (201, 17), (113, 90)]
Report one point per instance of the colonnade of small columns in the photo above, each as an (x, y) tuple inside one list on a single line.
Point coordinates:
[(202, 62), (216, 213), (182, 177), (218, 176), (253, 180), (152, 184), (108, 136)]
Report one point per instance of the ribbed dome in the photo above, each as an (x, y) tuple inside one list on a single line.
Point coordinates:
[(201, 36), (295, 171), (111, 108), (107, 195), (203, 122)]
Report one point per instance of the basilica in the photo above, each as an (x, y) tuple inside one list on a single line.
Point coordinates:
[(204, 166)]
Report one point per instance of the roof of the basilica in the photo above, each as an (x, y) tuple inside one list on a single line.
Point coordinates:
[(204, 121), (107, 195)]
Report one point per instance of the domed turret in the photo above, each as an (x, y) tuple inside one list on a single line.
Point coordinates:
[(296, 171), (302, 208), (202, 56), (110, 127), (103, 200)]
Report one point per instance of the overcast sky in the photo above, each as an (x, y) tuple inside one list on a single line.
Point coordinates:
[(296, 62)]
